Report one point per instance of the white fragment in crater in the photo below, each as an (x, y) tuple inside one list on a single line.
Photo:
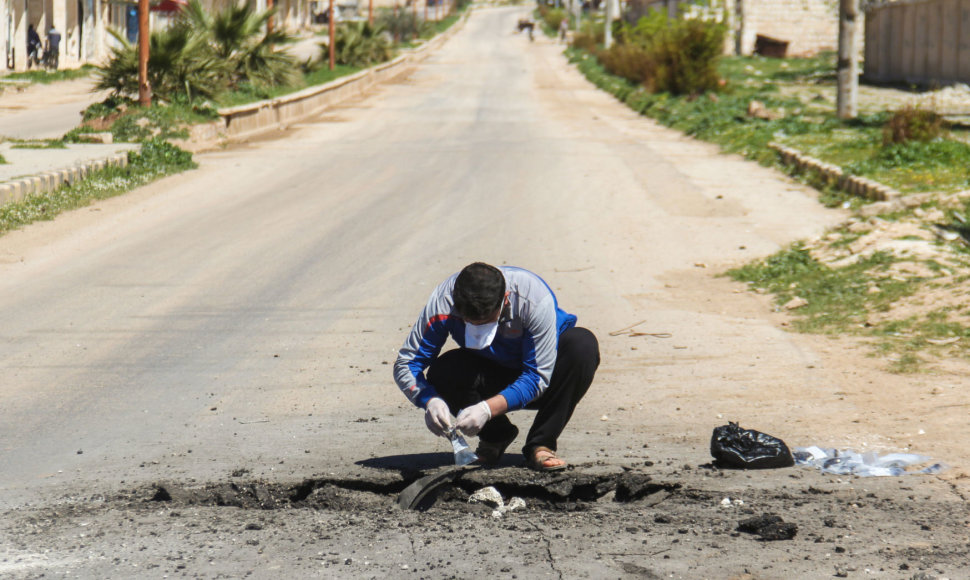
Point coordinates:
[(488, 496)]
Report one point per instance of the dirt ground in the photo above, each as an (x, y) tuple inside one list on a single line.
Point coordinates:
[(661, 518), (300, 494)]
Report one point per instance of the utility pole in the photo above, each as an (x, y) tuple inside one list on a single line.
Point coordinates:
[(608, 27), (739, 27), (269, 21), (848, 68), (144, 91), (370, 12), (332, 40)]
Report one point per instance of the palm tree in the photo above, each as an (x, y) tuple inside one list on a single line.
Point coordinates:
[(179, 64), (237, 36), (201, 55)]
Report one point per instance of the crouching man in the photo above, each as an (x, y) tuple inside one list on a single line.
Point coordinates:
[(517, 350)]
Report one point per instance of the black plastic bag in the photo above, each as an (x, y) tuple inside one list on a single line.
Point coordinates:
[(739, 448)]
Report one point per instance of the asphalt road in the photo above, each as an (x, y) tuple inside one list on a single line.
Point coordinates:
[(240, 320), (45, 111), (276, 281)]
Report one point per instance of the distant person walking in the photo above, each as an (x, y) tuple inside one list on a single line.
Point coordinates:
[(53, 51), (563, 29), (33, 46)]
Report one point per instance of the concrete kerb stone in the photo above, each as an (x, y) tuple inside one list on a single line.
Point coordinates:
[(243, 121), (18, 190), (852, 184)]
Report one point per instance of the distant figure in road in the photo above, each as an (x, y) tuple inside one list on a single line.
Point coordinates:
[(526, 24), (517, 350), (33, 46), (53, 50), (563, 29)]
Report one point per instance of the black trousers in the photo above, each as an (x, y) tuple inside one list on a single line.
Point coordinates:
[(463, 378)]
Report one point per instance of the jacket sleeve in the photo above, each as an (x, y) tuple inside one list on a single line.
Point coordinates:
[(421, 347), (540, 342)]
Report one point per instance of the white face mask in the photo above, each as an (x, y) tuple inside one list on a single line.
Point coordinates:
[(479, 336)]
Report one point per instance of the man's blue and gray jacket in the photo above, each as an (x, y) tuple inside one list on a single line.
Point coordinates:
[(527, 338)]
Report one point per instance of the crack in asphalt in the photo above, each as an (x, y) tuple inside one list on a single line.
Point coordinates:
[(548, 545)]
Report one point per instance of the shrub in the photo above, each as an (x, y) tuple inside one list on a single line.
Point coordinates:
[(403, 25), (589, 37), (359, 44), (178, 64), (686, 54), (913, 124), (678, 56), (630, 61), (159, 154), (553, 17)]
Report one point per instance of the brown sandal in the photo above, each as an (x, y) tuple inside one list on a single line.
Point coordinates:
[(544, 459)]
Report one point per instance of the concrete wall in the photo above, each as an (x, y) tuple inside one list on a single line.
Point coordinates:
[(925, 42), (809, 26), (84, 24)]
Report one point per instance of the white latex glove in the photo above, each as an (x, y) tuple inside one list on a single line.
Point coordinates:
[(472, 419), (437, 417)]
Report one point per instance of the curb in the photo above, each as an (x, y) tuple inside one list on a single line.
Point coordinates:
[(13, 191), (852, 184)]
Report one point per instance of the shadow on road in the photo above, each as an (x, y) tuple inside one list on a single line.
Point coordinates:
[(412, 462)]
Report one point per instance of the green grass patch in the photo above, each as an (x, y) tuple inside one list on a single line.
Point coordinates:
[(839, 299), (916, 166), (723, 118), (247, 93), (790, 90), (446, 22), (130, 123), (154, 160), (45, 77), (42, 144), (842, 301)]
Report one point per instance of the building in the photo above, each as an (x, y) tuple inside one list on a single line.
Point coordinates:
[(807, 26), (80, 22), (84, 24)]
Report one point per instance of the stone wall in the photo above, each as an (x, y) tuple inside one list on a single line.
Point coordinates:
[(809, 26)]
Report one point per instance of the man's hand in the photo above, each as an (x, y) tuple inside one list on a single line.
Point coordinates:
[(472, 419), (437, 417)]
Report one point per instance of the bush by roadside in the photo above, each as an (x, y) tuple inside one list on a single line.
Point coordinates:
[(360, 45)]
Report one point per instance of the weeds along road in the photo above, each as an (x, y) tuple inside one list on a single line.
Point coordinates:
[(240, 321)]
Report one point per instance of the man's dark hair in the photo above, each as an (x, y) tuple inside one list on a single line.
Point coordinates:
[(479, 291)]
